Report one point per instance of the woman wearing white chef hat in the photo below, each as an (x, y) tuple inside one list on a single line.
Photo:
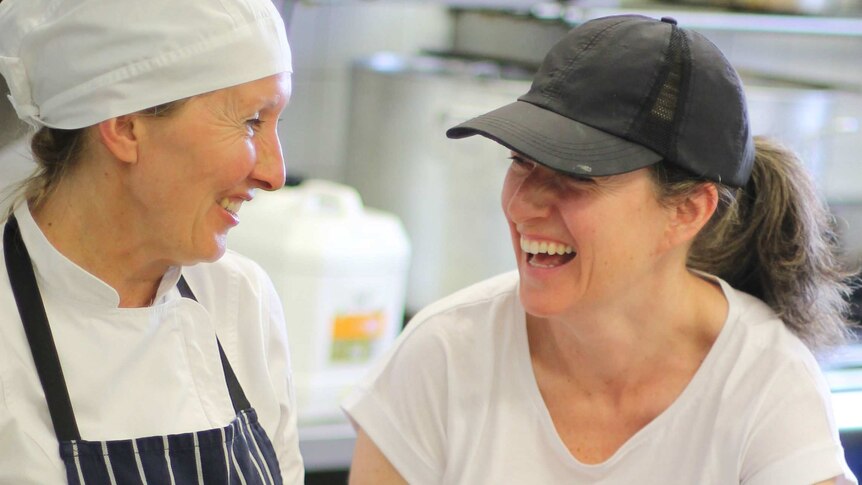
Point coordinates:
[(133, 347)]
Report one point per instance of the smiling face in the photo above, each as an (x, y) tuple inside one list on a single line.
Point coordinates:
[(197, 166), (582, 243)]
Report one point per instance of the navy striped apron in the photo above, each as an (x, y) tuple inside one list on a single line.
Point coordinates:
[(239, 453)]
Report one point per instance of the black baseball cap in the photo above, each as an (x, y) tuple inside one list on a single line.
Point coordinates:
[(624, 92)]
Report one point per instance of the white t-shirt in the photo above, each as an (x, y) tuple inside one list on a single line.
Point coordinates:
[(456, 402), (137, 372)]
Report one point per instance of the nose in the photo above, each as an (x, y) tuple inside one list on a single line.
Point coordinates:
[(269, 171), (527, 196)]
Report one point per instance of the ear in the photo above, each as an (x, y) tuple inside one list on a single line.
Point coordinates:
[(119, 137), (691, 213)]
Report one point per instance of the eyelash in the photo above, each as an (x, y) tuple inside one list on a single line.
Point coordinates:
[(257, 122), (580, 180), (573, 180)]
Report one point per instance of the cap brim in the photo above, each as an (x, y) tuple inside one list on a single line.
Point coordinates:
[(556, 141)]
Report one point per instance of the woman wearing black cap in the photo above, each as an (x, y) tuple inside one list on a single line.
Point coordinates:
[(674, 276)]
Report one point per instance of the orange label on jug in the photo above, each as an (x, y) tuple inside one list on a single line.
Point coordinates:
[(354, 335)]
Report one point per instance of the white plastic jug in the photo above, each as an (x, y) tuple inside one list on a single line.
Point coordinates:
[(341, 272)]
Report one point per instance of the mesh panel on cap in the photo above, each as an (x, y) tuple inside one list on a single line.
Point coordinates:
[(656, 124)]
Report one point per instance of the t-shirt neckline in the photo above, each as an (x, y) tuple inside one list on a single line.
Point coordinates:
[(688, 395)]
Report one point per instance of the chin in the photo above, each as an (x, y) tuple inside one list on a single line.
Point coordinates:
[(216, 253), (213, 251), (213, 258), (542, 306)]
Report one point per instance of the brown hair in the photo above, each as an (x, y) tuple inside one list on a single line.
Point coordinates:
[(56, 151), (774, 239)]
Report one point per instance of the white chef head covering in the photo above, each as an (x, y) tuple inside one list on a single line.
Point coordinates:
[(74, 63)]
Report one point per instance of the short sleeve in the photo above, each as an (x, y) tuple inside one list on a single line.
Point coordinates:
[(794, 440), (402, 404)]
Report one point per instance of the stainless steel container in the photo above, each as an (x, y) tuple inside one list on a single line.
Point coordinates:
[(445, 192)]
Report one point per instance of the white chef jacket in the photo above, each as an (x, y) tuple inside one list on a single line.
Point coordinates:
[(137, 372)]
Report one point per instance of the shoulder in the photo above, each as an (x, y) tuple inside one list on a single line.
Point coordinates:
[(236, 289), (481, 308), (781, 397), (494, 294), (762, 352), (444, 360), (762, 332), (232, 272), (463, 332), (456, 331)]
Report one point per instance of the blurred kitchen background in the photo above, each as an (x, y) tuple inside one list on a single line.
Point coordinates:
[(376, 83)]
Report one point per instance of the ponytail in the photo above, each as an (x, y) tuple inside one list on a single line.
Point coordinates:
[(773, 239)]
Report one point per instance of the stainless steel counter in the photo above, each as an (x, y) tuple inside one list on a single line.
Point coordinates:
[(326, 446), (844, 373)]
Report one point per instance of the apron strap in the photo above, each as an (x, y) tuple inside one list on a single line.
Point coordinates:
[(32, 311), (237, 395)]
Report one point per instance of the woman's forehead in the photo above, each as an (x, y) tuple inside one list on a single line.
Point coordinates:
[(263, 94)]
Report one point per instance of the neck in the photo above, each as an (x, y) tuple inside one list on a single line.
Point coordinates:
[(87, 224), (670, 323)]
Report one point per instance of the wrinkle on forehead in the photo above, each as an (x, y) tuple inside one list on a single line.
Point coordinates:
[(233, 106), (240, 99)]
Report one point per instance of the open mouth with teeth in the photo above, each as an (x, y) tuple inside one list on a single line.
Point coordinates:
[(230, 206), (544, 254)]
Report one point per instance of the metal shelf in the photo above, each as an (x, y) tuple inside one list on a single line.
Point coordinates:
[(729, 21), (696, 17)]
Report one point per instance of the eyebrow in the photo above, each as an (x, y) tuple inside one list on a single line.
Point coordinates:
[(259, 103)]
